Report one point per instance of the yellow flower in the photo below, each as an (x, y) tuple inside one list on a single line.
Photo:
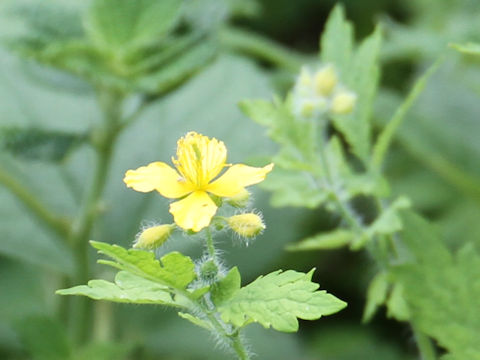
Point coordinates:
[(199, 162)]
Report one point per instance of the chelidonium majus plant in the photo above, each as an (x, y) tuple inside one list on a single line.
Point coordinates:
[(205, 291)]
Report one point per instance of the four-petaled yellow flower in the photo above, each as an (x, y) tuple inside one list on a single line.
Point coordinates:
[(199, 161)]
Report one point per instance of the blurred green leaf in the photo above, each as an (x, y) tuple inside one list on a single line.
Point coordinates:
[(468, 49), (277, 299), (336, 44), (324, 241), (376, 295), (103, 351), (441, 289), (38, 144), (128, 288), (359, 70), (121, 24), (44, 338)]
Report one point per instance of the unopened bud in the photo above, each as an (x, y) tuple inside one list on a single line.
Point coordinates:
[(208, 270), (246, 225), (325, 80), (240, 200), (343, 103), (153, 237)]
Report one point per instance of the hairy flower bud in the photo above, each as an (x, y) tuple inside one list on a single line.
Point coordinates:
[(153, 237), (246, 225), (343, 103), (325, 80)]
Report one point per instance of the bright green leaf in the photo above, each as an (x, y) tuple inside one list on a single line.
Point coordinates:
[(397, 307), (276, 300), (128, 288), (174, 269), (225, 288)]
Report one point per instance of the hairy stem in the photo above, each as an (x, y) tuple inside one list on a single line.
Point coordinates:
[(53, 222), (103, 140)]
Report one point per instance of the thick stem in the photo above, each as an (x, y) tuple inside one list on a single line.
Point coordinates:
[(103, 140), (58, 225)]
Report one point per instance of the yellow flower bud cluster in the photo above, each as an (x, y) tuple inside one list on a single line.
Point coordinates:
[(320, 92)]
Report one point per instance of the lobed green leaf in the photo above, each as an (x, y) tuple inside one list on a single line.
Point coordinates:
[(276, 300), (441, 289), (128, 288), (174, 269)]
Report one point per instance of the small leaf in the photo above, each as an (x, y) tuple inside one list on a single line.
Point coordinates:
[(292, 188), (388, 222), (397, 307), (277, 300), (362, 77), (128, 288), (174, 269), (324, 241), (376, 295), (224, 289), (196, 321), (337, 39)]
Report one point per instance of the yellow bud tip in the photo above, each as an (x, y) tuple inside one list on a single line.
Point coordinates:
[(343, 103), (153, 237), (246, 225), (325, 80)]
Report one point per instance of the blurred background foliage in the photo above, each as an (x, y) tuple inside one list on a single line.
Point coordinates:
[(59, 57)]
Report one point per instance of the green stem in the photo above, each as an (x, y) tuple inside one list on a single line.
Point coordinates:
[(425, 346), (258, 46), (53, 222), (210, 245), (103, 140)]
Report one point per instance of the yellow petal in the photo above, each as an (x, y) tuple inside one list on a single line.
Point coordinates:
[(194, 212), (236, 178), (158, 176), (199, 158)]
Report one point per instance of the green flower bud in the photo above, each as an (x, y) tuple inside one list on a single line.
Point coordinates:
[(208, 270), (240, 200), (246, 225), (153, 237)]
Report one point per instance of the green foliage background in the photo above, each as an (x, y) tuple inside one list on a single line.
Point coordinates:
[(434, 161)]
